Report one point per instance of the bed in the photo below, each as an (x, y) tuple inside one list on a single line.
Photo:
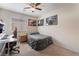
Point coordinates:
[(39, 41)]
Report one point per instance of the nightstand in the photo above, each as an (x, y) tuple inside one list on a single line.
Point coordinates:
[(23, 38)]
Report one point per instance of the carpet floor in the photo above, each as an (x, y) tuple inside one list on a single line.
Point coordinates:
[(52, 50)]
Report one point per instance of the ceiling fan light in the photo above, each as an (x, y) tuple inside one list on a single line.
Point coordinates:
[(33, 9)]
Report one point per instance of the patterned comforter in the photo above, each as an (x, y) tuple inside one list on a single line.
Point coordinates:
[(39, 41)]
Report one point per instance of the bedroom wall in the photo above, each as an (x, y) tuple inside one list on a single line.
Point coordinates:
[(66, 33), (7, 16)]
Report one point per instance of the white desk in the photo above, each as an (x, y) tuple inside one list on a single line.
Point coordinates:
[(2, 46), (8, 40)]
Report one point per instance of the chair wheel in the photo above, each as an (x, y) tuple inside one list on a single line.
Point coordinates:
[(15, 52)]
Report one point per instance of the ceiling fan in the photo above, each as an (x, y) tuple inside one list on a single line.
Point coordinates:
[(33, 6)]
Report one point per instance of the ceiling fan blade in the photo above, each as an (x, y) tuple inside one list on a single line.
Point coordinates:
[(27, 8), (38, 4), (38, 9)]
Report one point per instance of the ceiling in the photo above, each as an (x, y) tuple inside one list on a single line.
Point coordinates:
[(46, 7)]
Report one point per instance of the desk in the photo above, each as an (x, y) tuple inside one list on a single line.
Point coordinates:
[(2, 46), (8, 40)]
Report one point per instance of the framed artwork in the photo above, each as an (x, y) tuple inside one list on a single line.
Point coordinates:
[(52, 20), (32, 22), (41, 22)]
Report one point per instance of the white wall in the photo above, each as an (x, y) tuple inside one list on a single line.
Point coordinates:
[(7, 18), (66, 33)]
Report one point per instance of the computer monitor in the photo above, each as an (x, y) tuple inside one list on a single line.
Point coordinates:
[(1, 28)]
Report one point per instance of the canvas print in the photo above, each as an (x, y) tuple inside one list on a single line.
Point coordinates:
[(52, 20), (32, 22), (41, 22)]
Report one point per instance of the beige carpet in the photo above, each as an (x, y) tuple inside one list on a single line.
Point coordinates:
[(52, 50)]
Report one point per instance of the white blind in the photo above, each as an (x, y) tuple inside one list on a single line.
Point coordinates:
[(20, 24)]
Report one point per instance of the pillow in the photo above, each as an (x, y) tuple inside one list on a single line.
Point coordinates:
[(34, 33)]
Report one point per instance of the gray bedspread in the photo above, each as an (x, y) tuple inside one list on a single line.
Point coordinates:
[(39, 41)]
